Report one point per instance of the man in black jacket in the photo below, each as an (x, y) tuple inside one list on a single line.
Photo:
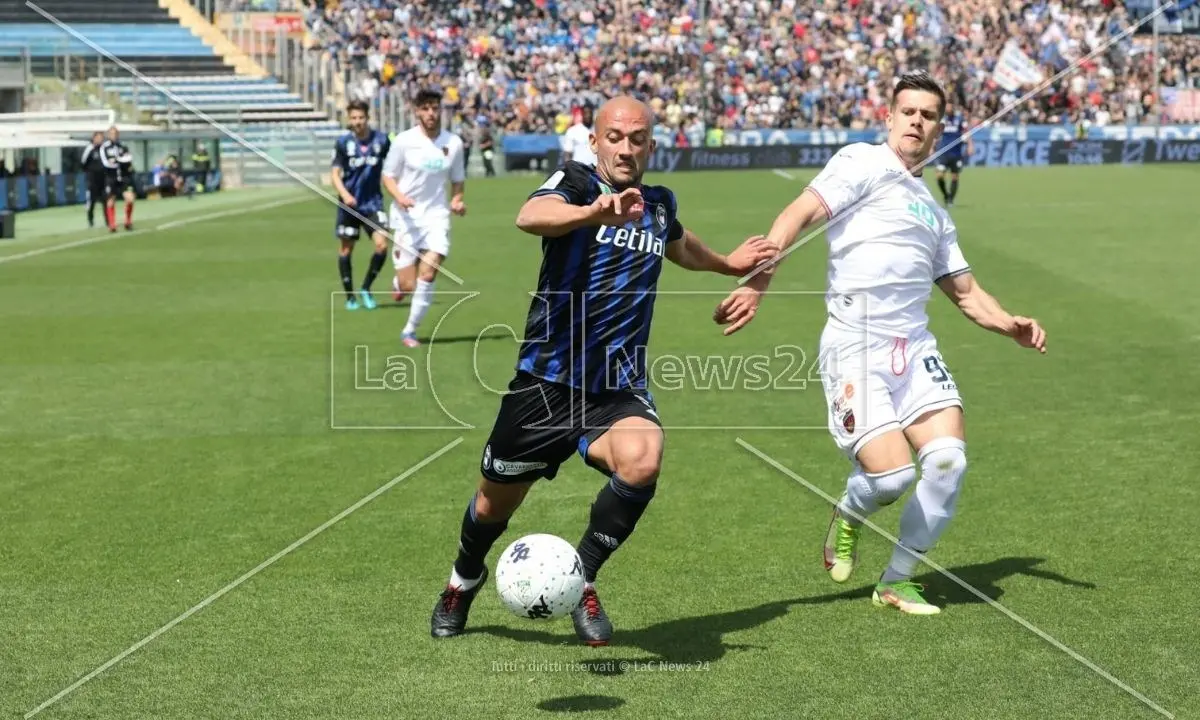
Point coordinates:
[(93, 167)]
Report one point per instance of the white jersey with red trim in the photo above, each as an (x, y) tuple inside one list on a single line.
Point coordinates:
[(889, 241)]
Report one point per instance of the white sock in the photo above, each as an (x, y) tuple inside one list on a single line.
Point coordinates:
[(395, 284), (867, 492), (928, 511), (422, 298), (460, 581)]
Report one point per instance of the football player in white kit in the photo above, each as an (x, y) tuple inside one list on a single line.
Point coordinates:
[(888, 390), (421, 160), (577, 143)]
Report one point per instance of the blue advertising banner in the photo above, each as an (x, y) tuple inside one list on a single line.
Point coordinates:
[(540, 145), (998, 153)]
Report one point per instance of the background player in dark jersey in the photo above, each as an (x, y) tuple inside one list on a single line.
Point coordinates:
[(90, 163), (954, 125), (580, 386), (118, 178), (357, 170)]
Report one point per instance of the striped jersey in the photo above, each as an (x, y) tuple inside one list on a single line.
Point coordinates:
[(361, 161), (589, 321)]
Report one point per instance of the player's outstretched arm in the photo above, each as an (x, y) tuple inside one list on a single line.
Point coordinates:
[(986, 312), (690, 253), (803, 212), (552, 216), (737, 310)]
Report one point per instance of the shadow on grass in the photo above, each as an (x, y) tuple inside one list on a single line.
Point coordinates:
[(983, 577), (700, 640), (580, 703)]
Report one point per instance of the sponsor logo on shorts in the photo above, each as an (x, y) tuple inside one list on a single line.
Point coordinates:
[(511, 467), (487, 451)]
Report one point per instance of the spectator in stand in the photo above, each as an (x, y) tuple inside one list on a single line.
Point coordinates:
[(527, 67)]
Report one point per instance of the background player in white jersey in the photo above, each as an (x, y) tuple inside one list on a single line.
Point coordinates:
[(422, 159), (888, 390), (577, 140)]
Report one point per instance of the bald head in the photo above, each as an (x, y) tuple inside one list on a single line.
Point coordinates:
[(624, 109), (623, 140)]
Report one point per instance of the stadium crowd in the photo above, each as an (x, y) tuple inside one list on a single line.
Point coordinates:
[(525, 67)]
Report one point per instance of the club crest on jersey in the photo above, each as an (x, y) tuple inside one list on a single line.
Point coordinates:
[(660, 217), (446, 151)]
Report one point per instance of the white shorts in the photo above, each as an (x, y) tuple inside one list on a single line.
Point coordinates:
[(411, 238), (877, 383)]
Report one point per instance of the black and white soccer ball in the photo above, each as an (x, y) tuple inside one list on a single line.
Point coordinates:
[(540, 577)]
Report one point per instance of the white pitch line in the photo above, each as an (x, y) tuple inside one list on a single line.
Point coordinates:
[(164, 226), (259, 568), (960, 582), (784, 174)]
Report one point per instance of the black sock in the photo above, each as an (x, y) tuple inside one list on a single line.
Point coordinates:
[(474, 543), (347, 276), (953, 188), (615, 512), (942, 187), (373, 269)]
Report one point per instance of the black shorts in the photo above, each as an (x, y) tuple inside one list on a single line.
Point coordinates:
[(97, 187), (117, 186), (348, 225), (541, 423), (953, 164)]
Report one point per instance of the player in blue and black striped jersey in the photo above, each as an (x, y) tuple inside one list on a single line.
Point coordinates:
[(357, 175), (953, 150), (580, 383)]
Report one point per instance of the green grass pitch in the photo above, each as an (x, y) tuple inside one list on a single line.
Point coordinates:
[(178, 405)]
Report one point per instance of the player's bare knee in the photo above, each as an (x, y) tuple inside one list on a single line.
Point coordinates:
[(496, 502), (890, 486), (638, 464), (427, 273)]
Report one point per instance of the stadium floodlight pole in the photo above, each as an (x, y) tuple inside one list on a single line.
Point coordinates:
[(967, 135), (1157, 89), (705, 101)]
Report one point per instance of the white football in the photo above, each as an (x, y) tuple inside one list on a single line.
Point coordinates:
[(540, 577)]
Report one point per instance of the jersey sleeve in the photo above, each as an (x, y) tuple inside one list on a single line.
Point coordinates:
[(393, 164), (458, 170), (339, 155), (843, 181), (570, 182), (674, 227), (108, 155), (948, 260)]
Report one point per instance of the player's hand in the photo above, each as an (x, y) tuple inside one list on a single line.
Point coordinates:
[(457, 206), (750, 254), (738, 309), (623, 207), (1028, 333), (349, 201), (404, 202)]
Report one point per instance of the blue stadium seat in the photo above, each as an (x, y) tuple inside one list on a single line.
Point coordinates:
[(122, 40)]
